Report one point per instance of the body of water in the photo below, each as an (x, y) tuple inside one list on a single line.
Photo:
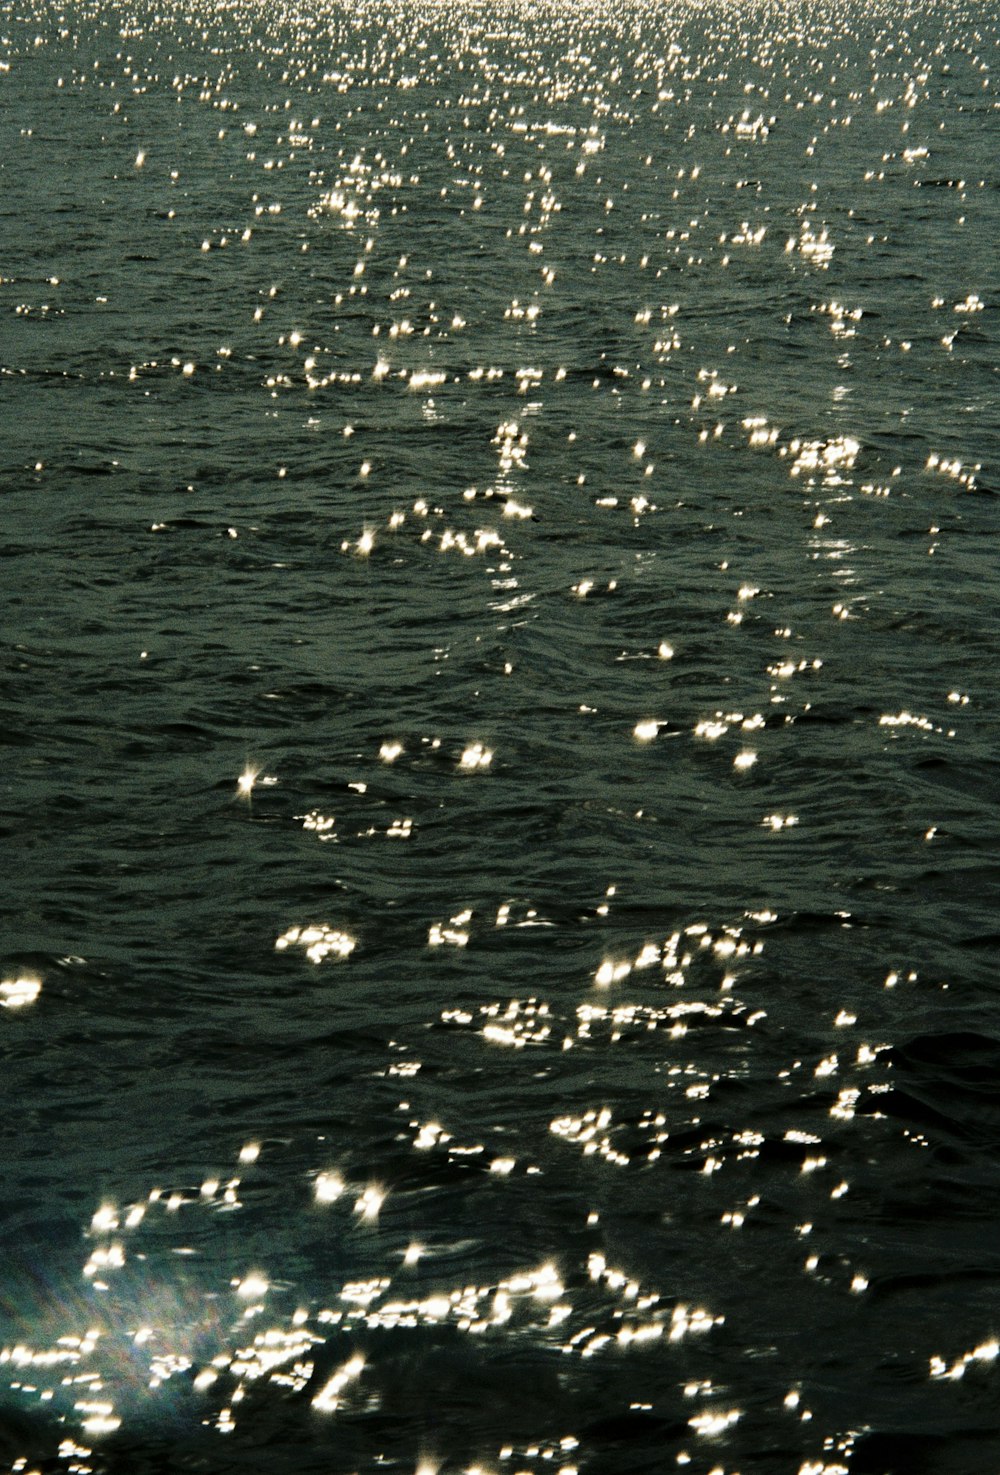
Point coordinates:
[(499, 795)]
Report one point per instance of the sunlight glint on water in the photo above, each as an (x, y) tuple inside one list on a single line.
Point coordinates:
[(499, 707)]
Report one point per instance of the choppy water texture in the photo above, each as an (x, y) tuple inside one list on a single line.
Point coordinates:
[(500, 797)]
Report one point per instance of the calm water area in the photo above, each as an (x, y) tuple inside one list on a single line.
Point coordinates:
[(499, 786)]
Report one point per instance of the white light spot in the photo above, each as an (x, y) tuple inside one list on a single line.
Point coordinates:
[(15, 993), (475, 756), (328, 1187), (252, 1286), (328, 1398)]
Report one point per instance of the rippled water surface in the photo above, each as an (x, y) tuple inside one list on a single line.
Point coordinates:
[(499, 693)]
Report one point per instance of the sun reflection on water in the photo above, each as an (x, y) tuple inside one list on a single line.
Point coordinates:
[(580, 356), (18, 993)]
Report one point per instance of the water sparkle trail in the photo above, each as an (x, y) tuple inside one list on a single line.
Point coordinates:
[(499, 703)]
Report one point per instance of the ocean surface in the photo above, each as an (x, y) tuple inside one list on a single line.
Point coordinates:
[(500, 795)]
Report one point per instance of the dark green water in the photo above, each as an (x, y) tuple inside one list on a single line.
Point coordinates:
[(499, 689)]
